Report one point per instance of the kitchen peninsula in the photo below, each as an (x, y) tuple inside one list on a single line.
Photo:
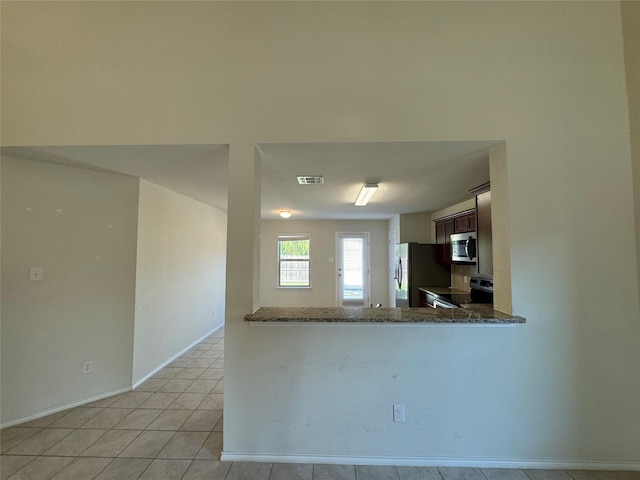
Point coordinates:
[(478, 314)]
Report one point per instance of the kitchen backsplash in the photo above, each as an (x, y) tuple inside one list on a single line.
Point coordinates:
[(460, 276)]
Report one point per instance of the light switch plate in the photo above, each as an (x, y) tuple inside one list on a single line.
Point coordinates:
[(398, 413), (87, 367)]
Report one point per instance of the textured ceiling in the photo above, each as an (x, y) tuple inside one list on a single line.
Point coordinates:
[(198, 171), (412, 176)]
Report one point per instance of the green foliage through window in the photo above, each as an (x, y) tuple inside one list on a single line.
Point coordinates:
[(294, 248), (293, 261)]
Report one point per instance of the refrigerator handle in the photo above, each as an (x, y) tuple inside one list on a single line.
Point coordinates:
[(400, 273)]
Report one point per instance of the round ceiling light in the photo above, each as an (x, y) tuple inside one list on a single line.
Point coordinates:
[(285, 213)]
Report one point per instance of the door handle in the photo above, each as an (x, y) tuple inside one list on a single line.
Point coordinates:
[(470, 248)]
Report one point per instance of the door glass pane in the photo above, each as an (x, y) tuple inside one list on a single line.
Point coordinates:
[(353, 269)]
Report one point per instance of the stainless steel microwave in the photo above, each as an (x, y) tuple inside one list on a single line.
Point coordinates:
[(464, 247)]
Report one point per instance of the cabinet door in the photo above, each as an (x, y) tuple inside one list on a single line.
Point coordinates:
[(440, 233), (462, 224), (444, 229), (472, 222), (448, 231)]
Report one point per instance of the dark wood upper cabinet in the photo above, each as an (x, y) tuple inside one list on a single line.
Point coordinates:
[(468, 221), (441, 235), (472, 222), (461, 224), (444, 229)]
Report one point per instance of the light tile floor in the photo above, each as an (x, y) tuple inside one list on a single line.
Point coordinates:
[(170, 428)]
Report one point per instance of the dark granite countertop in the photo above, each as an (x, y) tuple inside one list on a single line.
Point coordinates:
[(475, 314), (444, 290)]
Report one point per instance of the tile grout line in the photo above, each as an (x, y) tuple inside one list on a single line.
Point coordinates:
[(75, 458), (102, 470)]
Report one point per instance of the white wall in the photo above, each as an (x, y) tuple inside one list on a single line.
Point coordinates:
[(546, 77), (79, 226), (394, 224), (180, 281), (500, 238), (132, 275), (414, 227), (322, 264), (631, 19)]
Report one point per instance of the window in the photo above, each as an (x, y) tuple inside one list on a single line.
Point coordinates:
[(293, 261)]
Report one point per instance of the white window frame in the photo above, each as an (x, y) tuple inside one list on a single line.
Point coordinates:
[(292, 236)]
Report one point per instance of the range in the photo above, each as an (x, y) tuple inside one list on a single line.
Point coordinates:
[(481, 292)]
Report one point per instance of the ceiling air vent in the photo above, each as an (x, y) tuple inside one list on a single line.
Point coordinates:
[(310, 179)]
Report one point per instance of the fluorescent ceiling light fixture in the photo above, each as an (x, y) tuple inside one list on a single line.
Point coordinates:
[(366, 193), (285, 213)]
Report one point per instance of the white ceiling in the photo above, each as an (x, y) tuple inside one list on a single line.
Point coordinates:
[(412, 176), (198, 171)]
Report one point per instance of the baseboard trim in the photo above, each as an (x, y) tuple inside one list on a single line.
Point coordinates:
[(431, 461), (60, 408), (79, 403), (173, 357)]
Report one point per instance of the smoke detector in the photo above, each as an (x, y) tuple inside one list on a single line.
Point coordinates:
[(310, 179)]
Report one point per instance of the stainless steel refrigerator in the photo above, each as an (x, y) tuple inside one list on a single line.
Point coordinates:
[(417, 266)]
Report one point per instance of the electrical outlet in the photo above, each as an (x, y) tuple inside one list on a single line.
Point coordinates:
[(87, 367), (398, 413)]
